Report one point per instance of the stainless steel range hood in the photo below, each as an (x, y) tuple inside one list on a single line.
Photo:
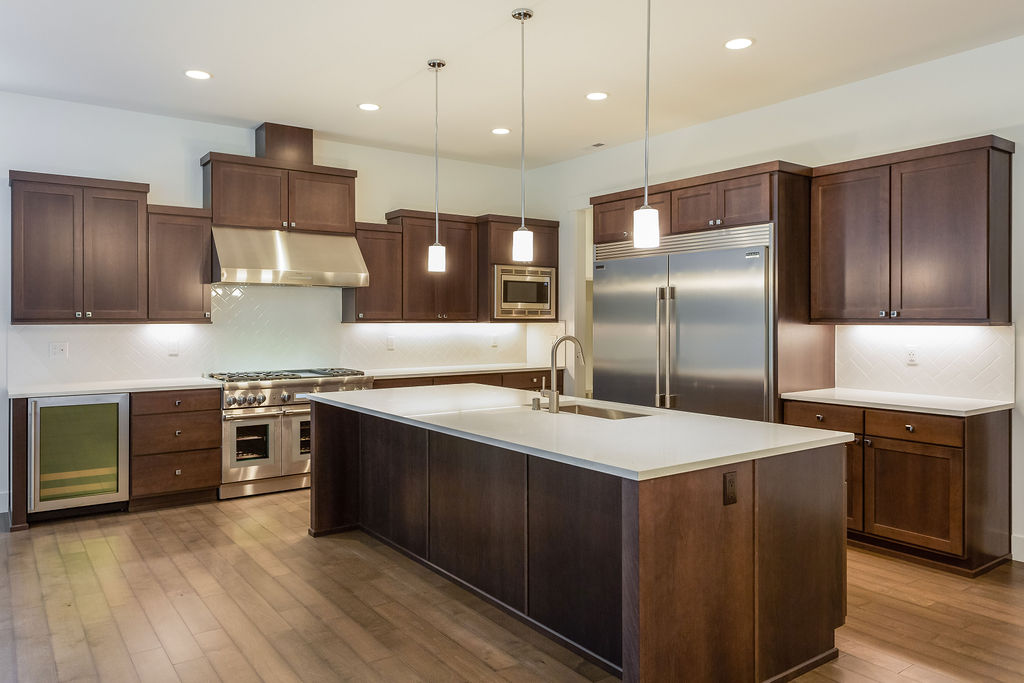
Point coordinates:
[(249, 256)]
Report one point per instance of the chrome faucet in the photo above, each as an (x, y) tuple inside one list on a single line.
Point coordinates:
[(553, 392)]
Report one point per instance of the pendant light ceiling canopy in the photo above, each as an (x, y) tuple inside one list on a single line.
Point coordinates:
[(646, 226), (522, 239), (435, 252)]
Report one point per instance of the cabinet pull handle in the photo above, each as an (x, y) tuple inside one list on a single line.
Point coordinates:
[(534, 380), (882, 314), (894, 314), (177, 473), (178, 402), (911, 428), (88, 314), (284, 224), (625, 234), (445, 316), (711, 221), (360, 315), (718, 222), (293, 224), (867, 442), (856, 440), (78, 314), (177, 432), (819, 418), (207, 314)]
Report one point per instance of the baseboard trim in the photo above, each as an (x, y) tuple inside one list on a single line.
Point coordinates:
[(801, 669)]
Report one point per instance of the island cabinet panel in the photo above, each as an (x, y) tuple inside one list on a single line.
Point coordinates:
[(688, 596), (800, 559), (478, 516), (393, 490), (334, 470), (575, 550)]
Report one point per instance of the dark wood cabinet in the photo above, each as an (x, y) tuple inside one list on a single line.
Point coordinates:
[(725, 204), (381, 246), (179, 264), (694, 208), (79, 249), (495, 240), (421, 289), (515, 380), (243, 195), (922, 235), (478, 516), (458, 297), (855, 483), (321, 203), (613, 221)]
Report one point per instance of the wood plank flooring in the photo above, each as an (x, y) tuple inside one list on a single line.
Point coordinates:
[(237, 591)]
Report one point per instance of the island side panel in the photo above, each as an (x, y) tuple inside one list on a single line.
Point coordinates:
[(477, 517), (393, 493), (987, 488), (19, 464), (800, 536), (575, 550), (688, 566), (334, 470)]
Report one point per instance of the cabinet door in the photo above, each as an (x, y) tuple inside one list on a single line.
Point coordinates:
[(179, 267), (115, 257), (545, 247), (613, 221), (247, 196), (850, 245), (940, 237), (914, 493), (744, 201), (545, 244), (46, 257), (855, 484), (382, 251), (460, 282), (321, 203), (420, 288), (694, 208), (393, 482)]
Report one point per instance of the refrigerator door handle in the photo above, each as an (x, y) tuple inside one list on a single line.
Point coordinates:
[(670, 296), (659, 297)]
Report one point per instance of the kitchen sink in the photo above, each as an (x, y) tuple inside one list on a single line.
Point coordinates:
[(596, 411)]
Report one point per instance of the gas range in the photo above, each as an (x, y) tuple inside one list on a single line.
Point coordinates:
[(276, 388)]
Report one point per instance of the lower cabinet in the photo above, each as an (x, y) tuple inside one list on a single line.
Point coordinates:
[(855, 484), (530, 380)]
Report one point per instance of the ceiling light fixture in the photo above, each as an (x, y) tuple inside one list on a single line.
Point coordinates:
[(435, 252), (522, 239), (739, 43), (198, 75), (646, 229), (501, 131), (597, 96), (369, 106)]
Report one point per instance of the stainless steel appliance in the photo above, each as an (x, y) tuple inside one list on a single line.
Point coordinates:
[(688, 325), (524, 293), (266, 434), (78, 451), (248, 256)]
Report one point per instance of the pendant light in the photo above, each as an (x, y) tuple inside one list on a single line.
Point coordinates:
[(435, 253), (646, 228), (522, 239)]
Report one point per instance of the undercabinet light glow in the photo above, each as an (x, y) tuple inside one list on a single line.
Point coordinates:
[(369, 106), (597, 96), (522, 245), (435, 258), (500, 131), (646, 228), (198, 74), (739, 43)]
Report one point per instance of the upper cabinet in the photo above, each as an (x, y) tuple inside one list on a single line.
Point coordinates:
[(179, 264), (252, 192), (725, 204), (496, 240), (613, 221), (79, 249), (922, 235), (381, 246)]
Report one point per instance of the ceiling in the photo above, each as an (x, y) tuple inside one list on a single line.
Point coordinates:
[(311, 62)]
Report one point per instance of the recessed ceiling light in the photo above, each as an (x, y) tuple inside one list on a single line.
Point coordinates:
[(597, 96), (739, 43), (369, 106), (198, 74), (501, 131)]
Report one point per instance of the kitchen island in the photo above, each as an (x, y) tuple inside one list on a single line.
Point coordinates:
[(666, 546)]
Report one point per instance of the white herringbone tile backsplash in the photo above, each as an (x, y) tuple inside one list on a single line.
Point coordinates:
[(261, 328), (972, 362)]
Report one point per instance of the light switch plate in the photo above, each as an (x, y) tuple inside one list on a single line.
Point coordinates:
[(389, 342)]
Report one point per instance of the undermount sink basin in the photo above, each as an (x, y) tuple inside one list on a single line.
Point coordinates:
[(595, 411)]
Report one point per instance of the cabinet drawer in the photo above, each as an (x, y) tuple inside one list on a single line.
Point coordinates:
[(492, 379), (169, 433), (402, 382), (169, 472), (946, 431), (526, 380), (152, 402), (824, 416)]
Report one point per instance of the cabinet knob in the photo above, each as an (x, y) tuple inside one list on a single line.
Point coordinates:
[(78, 314), (911, 428), (534, 380), (625, 234), (819, 418), (867, 442), (718, 222), (284, 224), (207, 314), (177, 432), (894, 314), (88, 314), (178, 402), (445, 316), (882, 314), (293, 224), (360, 315), (856, 440), (439, 316), (711, 221), (177, 473)]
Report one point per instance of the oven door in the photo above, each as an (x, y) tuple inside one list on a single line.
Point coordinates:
[(523, 292), (295, 440), (252, 444)]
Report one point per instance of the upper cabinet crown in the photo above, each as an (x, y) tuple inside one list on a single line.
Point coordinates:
[(252, 192), (922, 235)]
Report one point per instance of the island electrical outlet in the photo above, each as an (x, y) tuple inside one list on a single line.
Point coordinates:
[(729, 488)]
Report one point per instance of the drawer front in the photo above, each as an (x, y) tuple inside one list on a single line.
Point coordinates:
[(938, 429), (152, 402), (399, 382), (171, 433), (526, 380), (170, 472), (492, 379), (824, 416)]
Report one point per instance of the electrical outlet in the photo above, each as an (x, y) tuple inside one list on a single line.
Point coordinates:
[(729, 488), (389, 342), (911, 355), (173, 347), (59, 350), (494, 341)]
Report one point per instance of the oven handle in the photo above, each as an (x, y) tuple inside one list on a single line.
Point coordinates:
[(233, 418), (300, 411)]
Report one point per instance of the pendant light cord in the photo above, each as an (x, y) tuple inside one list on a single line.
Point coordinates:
[(437, 216), (522, 126), (647, 103)]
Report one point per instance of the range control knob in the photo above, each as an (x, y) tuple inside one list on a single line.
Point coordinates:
[(261, 398), (250, 399), (230, 400), (285, 396)]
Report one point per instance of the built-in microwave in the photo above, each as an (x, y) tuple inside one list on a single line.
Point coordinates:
[(524, 293)]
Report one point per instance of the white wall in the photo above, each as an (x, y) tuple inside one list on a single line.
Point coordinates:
[(965, 95), (266, 327)]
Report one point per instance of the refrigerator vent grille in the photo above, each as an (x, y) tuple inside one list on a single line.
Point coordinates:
[(748, 236)]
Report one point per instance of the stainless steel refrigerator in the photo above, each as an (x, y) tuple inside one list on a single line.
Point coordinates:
[(689, 325)]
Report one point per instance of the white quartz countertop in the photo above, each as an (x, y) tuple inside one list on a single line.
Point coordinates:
[(660, 443), (110, 387), (440, 371), (914, 403)]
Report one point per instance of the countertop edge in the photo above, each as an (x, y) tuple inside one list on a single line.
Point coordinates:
[(905, 407), (127, 387)]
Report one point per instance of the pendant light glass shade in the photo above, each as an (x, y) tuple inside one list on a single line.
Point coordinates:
[(522, 239), (435, 258), (646, 233)]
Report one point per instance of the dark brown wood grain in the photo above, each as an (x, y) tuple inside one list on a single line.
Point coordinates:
[(837, 417), (459, 288), (613, 221), (177, 401), (19, 464), (999, 237), (334, 469), (937, 429), (850, 262), (246, 195), (319, 202), (744, 201), (516, 220), (694, 208), (393, 491), (382, 252), (77, 181), (477, 525), (180, 266), (192, 211), (171, 472), (987, 499), (496, 244), (421, 290), (493, 379), (855, 484), (534, 380), (800, 557), (388, 383), (211, 157), (284, 143), (575, 551), (115, 258), (982, 142), (171, 432), (396, 215)]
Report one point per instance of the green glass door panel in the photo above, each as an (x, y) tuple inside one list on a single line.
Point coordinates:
[(78, 453)]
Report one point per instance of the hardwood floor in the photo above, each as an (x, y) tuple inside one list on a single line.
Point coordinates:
[(237, 591)]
